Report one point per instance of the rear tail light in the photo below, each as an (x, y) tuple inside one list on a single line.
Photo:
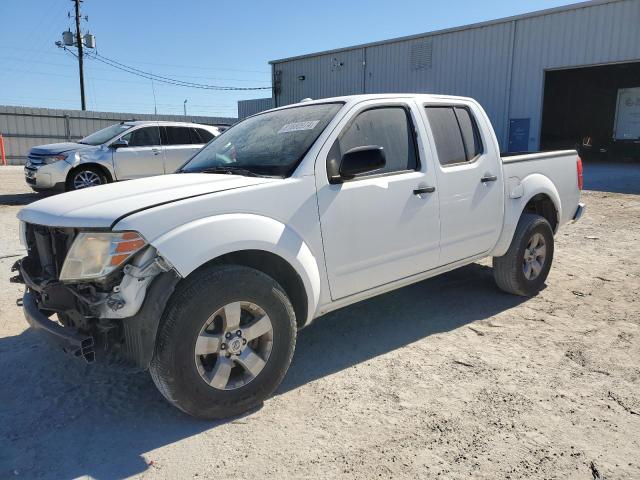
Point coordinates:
[(580, 175)]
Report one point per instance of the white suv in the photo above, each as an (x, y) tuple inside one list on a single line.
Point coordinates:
[(123, 151)]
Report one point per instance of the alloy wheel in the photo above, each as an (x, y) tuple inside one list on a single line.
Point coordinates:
[(534, 257), (86, 178), (233, 345)]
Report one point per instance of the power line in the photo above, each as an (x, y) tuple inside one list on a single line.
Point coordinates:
[(167, 80)]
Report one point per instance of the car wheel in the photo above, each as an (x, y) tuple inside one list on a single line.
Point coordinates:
[(225, 341), (525, 267), (85, 177)]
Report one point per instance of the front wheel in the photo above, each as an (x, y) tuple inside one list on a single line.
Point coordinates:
[(225, 341), (524, 268), (85, 177)]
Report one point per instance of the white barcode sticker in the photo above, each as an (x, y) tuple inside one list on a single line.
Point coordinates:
[(296, 127)]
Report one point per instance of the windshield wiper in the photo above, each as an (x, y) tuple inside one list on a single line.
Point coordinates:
[(230, 170)]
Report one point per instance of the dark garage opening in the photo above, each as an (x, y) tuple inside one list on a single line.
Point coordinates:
[(579, 110)]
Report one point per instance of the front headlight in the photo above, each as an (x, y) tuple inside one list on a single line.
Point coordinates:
[(97, 254), (54, 158)]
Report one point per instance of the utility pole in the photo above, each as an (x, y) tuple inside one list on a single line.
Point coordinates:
[(80, 42), (185, 108), (80, 66)]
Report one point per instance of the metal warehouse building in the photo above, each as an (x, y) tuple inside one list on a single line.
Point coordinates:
[(547, 79)]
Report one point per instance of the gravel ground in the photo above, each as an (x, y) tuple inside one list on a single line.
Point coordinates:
[(449, 377)]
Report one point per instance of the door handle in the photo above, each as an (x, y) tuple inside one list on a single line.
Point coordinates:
[(156, 151), (489, 178), (420, 191)]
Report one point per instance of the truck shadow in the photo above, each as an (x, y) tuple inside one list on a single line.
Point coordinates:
[(64, 419), (367, 329)]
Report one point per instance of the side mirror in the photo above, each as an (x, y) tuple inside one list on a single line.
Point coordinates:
[(360, 160), (120, 143)]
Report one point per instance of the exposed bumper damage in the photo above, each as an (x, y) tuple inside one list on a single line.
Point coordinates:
[(114, 319)]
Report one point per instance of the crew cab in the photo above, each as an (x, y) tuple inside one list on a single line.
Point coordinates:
[(205, 276), (123, 151)]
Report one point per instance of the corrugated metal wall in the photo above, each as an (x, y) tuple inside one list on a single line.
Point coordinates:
[(501, 64), (23, 127), (472, 63), (324, 76), (253, 106)]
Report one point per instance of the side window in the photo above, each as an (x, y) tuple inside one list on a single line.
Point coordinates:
[(143, 137), (455, 134), (178, 136), (387, 127), (446, 135)]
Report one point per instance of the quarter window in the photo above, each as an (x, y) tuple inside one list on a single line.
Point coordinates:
[(388, 127), (200, 135), (455, 134), (143, 137)]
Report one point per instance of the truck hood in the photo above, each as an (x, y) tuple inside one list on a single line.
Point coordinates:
[(102, 206), (56, 148)]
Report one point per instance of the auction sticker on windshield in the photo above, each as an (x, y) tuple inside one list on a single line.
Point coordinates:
[(295, 127)]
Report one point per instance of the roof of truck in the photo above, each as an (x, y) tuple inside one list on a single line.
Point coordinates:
[(353, 99)]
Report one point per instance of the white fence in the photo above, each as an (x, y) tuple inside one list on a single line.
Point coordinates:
[(23, 127)]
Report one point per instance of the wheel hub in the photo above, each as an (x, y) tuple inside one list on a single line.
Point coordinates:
[(235, 346)]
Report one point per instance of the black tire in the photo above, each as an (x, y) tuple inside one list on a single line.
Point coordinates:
[(71, 185), (508, 270), (173, 368)]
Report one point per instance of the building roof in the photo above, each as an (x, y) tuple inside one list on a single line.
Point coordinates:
[(538, 13)]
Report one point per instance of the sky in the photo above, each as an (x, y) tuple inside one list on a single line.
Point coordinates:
[(203, 41)]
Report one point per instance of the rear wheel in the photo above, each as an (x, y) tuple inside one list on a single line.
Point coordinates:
[(84, 177), (225, 342), (525, 267)]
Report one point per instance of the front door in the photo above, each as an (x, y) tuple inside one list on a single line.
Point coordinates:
[(381, 226), (142, 157), (469, 181)]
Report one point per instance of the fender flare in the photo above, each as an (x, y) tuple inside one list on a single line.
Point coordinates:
[(532, 185), (193, 244), (93, 158)]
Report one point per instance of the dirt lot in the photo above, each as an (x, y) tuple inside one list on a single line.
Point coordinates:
[(448, 377)]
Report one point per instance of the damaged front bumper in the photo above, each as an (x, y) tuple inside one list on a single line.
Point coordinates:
[(126, 341), (71, 340)]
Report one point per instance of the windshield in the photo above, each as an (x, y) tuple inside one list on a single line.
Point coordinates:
[(271, 144), (104, 135)]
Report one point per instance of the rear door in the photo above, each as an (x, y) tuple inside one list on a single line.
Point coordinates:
[(143, 155), (382, 226), (470, 184), (180, 144)]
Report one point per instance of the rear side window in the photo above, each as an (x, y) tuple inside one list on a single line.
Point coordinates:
[(387, 127), (177, 136), (455, 134), (143, 137)]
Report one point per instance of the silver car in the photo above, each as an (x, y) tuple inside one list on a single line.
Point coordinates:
[(120, 152)]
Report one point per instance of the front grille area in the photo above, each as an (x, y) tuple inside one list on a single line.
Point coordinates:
[(47, 249)]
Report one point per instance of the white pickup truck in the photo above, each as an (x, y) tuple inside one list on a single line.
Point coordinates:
[(204, 276)]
